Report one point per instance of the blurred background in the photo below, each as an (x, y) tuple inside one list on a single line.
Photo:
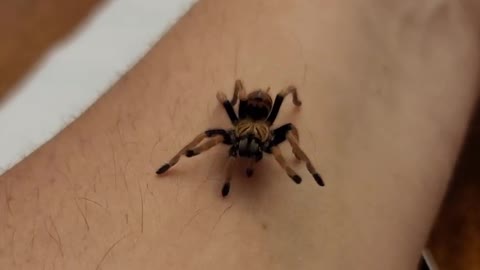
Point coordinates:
[(58, 56)]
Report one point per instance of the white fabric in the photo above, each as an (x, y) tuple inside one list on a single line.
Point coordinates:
[(74, 74)]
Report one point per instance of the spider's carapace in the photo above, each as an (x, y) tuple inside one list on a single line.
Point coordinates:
[(251, 135)]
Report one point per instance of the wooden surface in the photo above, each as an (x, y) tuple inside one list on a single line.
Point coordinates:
[(29, 28)]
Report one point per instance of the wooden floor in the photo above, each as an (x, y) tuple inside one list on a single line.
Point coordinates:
[(29, 28)]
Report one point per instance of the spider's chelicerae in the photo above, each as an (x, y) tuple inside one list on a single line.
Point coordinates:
[(251, 134)]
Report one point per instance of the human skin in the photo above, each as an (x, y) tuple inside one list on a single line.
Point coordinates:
[(387, 88)]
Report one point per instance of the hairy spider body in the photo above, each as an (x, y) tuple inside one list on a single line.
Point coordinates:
[(251, 135), (259, 129)]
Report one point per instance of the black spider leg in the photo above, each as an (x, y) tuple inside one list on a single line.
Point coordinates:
[(232, 156), (222, 98), (215, 134), (289, 132), (279, 100)]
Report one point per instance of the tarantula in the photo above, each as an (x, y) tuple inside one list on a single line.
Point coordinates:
[(251, 134)]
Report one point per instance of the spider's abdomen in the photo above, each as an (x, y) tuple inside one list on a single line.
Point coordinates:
[(259, 104)]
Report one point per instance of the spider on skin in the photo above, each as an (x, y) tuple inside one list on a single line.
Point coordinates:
[(251, 135)]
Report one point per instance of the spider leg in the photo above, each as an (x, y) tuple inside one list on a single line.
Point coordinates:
[(222, 98), (302, 156), (289, 132), (250, 167), (240, 93), (279, 100), (199, 138), (297, 152), (205, 146), (228, 176), (277, 153)]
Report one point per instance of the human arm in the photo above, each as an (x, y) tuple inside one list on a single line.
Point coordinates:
[(387, 91)]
